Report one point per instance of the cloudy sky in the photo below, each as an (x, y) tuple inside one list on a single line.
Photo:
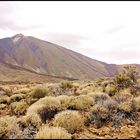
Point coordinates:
[(106, 31)]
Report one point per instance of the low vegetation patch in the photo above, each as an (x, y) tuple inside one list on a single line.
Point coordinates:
[(53, 133), (70, 120), (102, 108), (39, 92)]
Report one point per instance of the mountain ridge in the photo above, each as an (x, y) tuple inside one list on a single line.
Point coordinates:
[(43, 57)]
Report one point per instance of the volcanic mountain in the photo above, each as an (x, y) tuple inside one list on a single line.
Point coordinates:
[(22, 56)]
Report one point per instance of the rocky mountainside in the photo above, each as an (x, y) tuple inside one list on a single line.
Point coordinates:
[(32, 55)]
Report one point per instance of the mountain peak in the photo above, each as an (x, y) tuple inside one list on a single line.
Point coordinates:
[(17, 37)]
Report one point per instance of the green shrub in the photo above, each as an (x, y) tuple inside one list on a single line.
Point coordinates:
[(53, 133), (66, 85), (127, 76), (70, 120), (39, 92)]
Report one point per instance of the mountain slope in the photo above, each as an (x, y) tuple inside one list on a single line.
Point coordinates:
[(48, 58)]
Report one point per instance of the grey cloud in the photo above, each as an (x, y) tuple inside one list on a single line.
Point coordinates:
[(8, 19)]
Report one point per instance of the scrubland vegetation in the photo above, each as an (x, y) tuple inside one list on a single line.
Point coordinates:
[(104, 108)]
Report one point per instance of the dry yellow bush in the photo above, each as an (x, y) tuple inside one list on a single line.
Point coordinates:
[(125, 91), (98, 115), (110, 104), (8, 126), (17, 97), (65, 100), (81, 102), (4, 100), (99, 97), (49, 102), (34, 108), (85, 91), (110, 89), (46, 132), (70, 120), (100, 110), (46, 108), (137, 103), (125, 106), (22, 90), (125, 96), (32, 119), (2, 106), (76, 85), (19, 108)]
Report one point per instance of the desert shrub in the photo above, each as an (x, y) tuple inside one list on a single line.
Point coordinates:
[(125, 106), (19, 108), (47, 113), (34, 108), (110, 104), (2, 106), (17, 97), (110, 89), (120, 98), (4, 100), (39, 92), (70, 120), (8, 127), (84, 91), (124, 91), (30, 101), (99, 115), (32, 119), (127, 76), (49, 102), (76, 85), (46, 108), (99, 97), (66, 85), (126, 109), (122, 80), (137, 103), (65, 101), (53, 133), (120, 116), (23, 91), (81, 102)]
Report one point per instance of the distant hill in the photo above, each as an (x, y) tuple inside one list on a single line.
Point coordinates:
[(26, 57)]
